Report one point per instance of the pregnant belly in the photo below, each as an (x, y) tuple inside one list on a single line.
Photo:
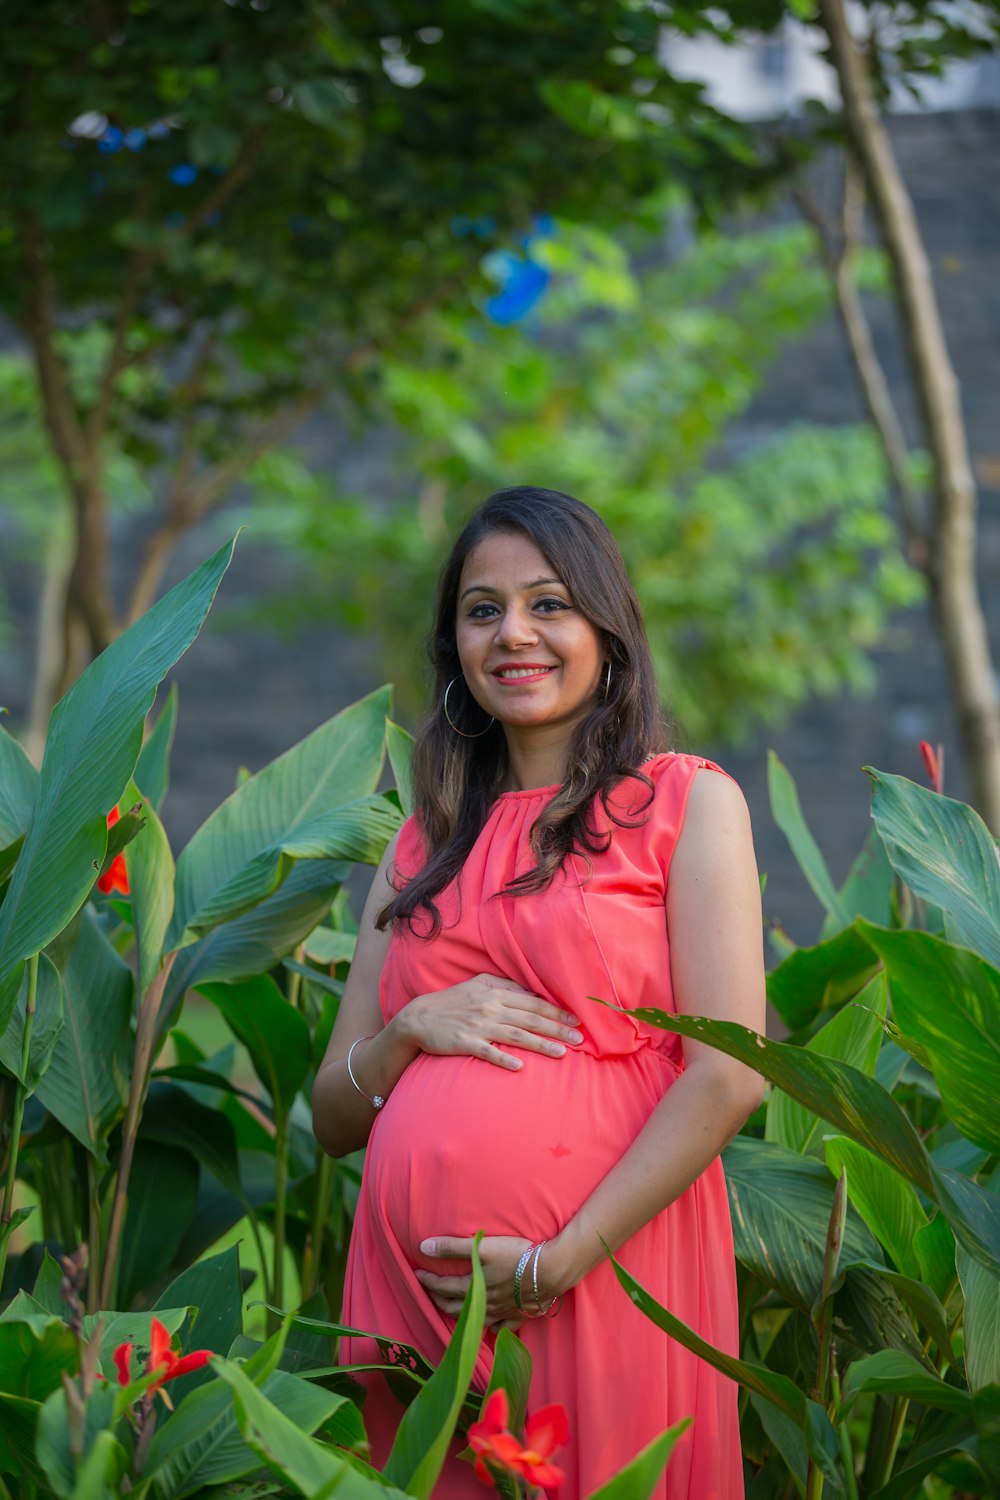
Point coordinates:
[(464, 1145)]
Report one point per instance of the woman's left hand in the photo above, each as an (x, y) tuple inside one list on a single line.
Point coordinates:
[(498, 1256)]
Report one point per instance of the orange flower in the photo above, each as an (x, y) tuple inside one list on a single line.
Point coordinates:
[(115, 877), (161, 1357), (544, 1432), (933, 764)]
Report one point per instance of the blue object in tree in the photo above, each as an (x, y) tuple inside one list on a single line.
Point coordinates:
[(135, 138), (111, 141), (523, 283), (183, 175)]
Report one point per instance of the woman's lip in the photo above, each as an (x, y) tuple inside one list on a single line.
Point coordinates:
[(532, 669)]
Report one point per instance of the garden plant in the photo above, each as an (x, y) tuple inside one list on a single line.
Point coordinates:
[(136, 1153)]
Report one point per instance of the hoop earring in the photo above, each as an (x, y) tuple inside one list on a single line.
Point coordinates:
[(607, 682), (463, 732)]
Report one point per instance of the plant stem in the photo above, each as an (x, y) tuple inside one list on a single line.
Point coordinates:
[(280, 1197), (321, 1213), (145, 1036), (846, 1448), (20, 1094), (897, 1421), (94, 1217), (814, 1482)]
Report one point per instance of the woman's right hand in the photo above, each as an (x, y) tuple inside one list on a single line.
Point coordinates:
[(472, 1018)]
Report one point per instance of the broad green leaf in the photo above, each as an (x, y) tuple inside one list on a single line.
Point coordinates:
[(47, 1289), (201, 1444), (887, 1203), (787, 813), (86, 1084), (151, 879), (163, 1188), (428, 1424), (948, 1001), (918, 1297), (134, 1328), (273, 1032), (780, 1204), (860, 1108), (64, 1468), (9, 857), (891, 1372), (94, 739), (152, 769), (853, 1036), (400, 747), (944, 852), (986, 1410), (981, 1324), (325, 945), (934, 1245), (18, 780), (639, 1478), (358, 831), (174, 1117), (280, 1443), (280, 814), (47, 1023), (512, 1372), (810, 980), (867, 891), (256, 942)]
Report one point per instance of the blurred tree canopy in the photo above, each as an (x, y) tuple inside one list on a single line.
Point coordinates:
[(218, 217)]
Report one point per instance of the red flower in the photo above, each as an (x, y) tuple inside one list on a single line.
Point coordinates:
[(934, 765), (115, 877), (161, 1357), (544, 1432)]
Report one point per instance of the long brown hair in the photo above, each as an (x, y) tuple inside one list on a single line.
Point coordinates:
[(457, 778)]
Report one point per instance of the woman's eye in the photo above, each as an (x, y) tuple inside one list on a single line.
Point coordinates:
[(482, 611), (550, 606)]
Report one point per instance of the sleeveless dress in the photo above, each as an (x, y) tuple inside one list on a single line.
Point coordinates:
[(463, 1145)]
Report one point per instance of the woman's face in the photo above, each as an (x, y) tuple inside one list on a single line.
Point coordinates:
[(528, 655)]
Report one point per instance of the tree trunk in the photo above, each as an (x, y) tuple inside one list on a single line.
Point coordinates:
[(952, 539)]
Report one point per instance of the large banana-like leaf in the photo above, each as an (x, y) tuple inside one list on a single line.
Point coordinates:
[(944, 852), (18, 781), (887, 1203), (890, 1372), (151, 881), (787, 813), (94, 739), (947, 1000), (45, 1028), (853, 1035), (400, 747), (861, 1108), (810, 980), (86, 1083), (781, 1204), (273, 1032), (278, 815), (152, 769)]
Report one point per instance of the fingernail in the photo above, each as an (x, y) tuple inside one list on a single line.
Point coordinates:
[(576, 1036), (556, 1049), (428, 1247)]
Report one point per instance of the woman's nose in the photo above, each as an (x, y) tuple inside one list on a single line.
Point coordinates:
[(516, 627)]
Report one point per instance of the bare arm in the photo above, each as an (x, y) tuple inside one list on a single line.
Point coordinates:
[(717, 967), (470, 1019)]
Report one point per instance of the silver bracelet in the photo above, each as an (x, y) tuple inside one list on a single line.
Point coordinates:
[(542, 1312), (518, 1275), (377, 1101)]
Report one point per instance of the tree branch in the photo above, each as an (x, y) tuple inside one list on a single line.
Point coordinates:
[(838, 249)]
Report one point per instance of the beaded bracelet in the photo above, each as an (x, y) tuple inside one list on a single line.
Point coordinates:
[(377, 1101), (542, 1312), (519, 1275)]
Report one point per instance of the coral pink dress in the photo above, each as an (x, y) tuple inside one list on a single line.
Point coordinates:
[(463, 1145)]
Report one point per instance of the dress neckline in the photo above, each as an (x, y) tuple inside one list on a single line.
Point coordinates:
[(556, 786)]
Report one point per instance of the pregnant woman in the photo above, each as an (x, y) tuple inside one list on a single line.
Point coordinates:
[(557, 853)]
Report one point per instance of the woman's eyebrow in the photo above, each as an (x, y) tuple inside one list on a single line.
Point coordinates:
[(484, 588)]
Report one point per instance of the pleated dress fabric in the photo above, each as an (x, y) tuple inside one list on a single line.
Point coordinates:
[(464, 1145)]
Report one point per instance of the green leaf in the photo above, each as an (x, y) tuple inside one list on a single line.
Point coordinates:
[(639, 1478), (511, 1372), (948, 1001), (810, 980), (326, 945), (174, 1117), (860, 1108), (781, 1204), (787, 813), (86, 1084), (981, 1324), (853, 1036), (400, 747), (280, 1443), (34, 1355), (891, 1372), (288, 810), (94, 739), (9, 858), (201, 1444), (101, 1461), (867, 891), (888, 1204), (944, 852), (421, 1445), (256, 942), (273, 1032), (151, 881), (46, 1026), (18, 781), (163, 1189), (152, 769)]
